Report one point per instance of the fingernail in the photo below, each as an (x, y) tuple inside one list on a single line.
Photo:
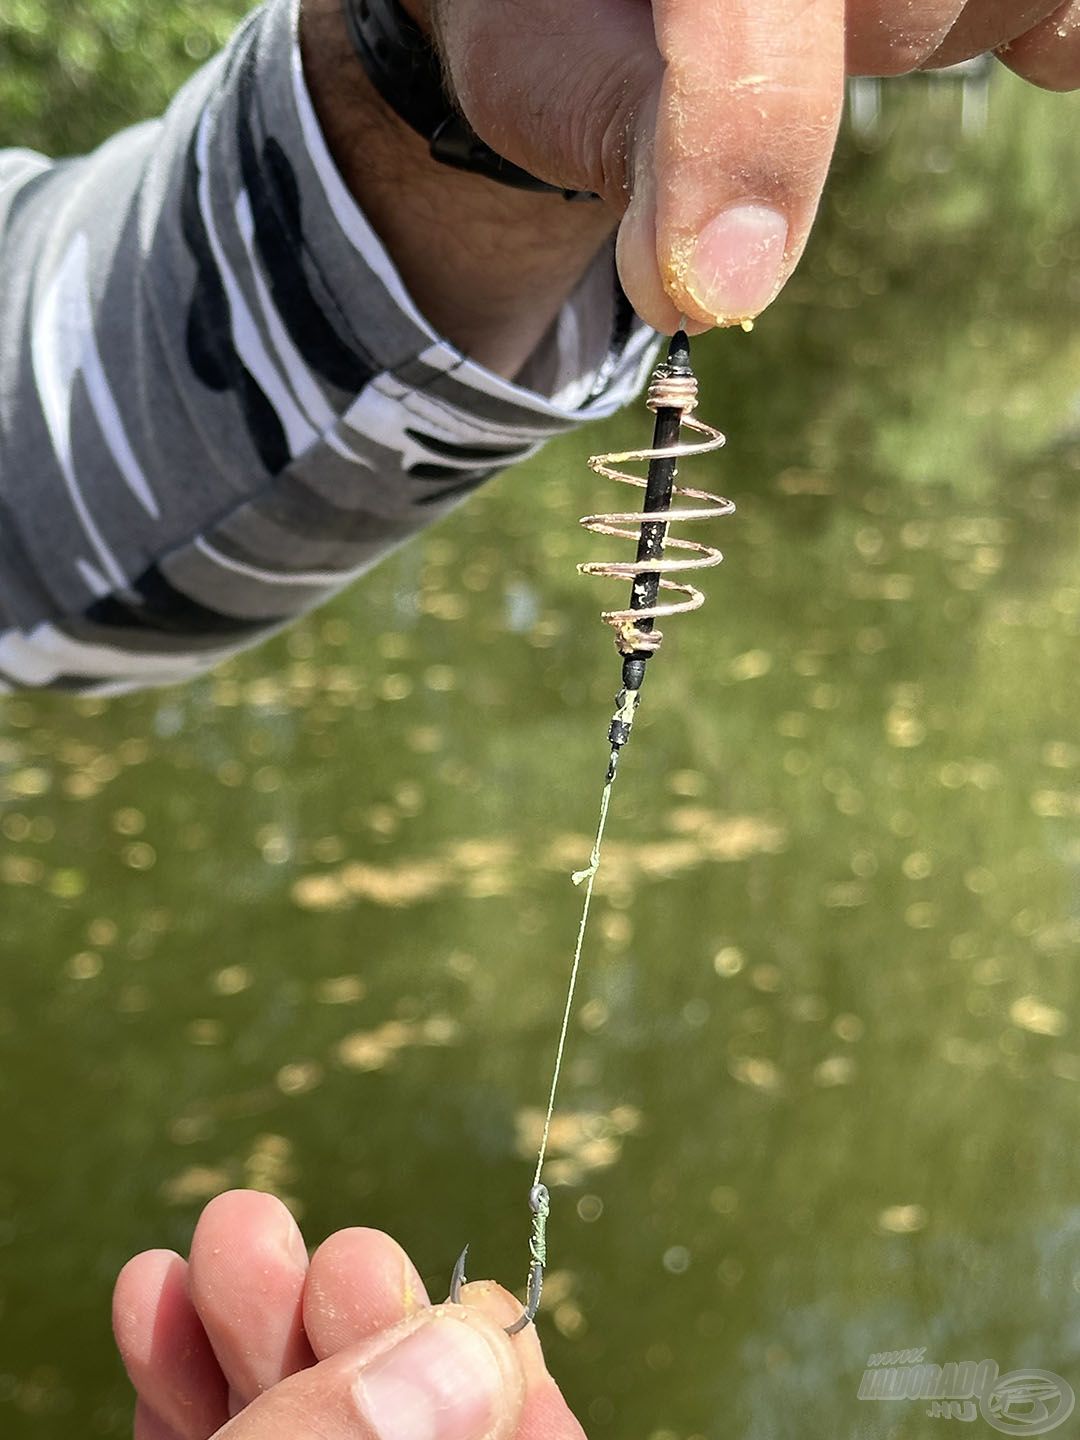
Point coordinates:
[(736, 263), (442, 1382)]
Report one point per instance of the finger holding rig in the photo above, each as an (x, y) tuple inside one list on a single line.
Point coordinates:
[(713, 123), (746, 122), (706, 129)]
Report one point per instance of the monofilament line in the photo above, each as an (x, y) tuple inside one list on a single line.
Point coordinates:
[(589, 875)]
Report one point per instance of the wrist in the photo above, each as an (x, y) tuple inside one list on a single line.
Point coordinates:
[(487, 265)]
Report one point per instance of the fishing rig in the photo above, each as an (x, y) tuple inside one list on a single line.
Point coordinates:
[(672, 397)]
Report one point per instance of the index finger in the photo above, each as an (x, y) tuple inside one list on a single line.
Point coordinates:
[(747, 118)]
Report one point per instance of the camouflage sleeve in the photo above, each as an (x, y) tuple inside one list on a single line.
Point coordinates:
[(218, 404)]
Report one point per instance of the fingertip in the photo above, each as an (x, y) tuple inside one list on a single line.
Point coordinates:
[(164, 1347), (229, 1202), (147, 1263), (360, 1281), (241, 1219), (137, 1295), (246, 1279), (691, 268)]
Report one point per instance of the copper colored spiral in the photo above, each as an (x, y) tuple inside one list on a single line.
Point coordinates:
[(671, 392)]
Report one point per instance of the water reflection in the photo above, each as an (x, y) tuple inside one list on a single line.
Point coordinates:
[(305, 924)]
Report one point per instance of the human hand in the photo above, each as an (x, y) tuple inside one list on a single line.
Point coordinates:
[(346, 1347), (708, 125)]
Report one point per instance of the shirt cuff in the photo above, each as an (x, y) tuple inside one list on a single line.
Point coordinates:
[(593, 360)]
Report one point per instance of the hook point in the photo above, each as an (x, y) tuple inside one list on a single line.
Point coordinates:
[(457, 1279)]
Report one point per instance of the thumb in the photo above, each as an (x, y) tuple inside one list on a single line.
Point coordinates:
[(746, 119), (446, 1374)]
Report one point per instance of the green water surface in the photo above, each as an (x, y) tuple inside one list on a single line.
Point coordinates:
[(305, 924)]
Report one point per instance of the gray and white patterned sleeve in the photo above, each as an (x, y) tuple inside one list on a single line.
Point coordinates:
[(218, 405)]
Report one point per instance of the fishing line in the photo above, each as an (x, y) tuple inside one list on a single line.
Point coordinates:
[(589, 874), (672, 396)]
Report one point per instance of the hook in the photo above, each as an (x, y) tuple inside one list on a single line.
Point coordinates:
[(540, 1205)]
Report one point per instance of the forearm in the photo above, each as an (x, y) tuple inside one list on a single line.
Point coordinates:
[(219, 403), (487, 265)]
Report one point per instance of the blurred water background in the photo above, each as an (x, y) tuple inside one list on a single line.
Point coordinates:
[(305, 924)]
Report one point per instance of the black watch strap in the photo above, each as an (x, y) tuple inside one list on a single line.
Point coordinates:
[(403, 66)]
